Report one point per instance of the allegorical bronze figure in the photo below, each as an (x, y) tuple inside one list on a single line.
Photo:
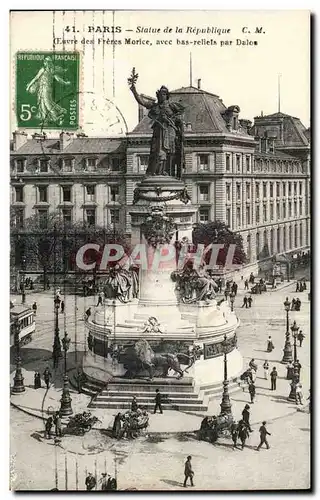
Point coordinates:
[(167, 151)]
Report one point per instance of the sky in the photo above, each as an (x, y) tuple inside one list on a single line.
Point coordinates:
[(246, 75)]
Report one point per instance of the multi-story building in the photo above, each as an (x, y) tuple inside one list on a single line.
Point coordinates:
[(254, 178)]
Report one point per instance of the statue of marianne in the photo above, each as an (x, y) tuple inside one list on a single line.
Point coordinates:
[(167, 144)]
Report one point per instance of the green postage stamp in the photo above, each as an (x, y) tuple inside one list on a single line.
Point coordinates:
[(47, 90)]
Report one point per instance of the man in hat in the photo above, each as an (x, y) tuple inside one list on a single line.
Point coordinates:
[(188, 472), (300, 337), (263, 436), (274, 376), (90, 482), (104, 481), (252, 392), (47, 376), (158, 399)]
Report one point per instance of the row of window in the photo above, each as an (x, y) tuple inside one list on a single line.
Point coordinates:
[(294, 189), (43, 166), (234, 163), (67, 193), (90, 216), (288, 210)]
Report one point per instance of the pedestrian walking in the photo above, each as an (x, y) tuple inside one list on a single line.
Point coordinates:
[(266, 369), (62, 306), (300, 337), (47, 377), (48, 427), (134, 404), (270, 345), (249, 301), (274, 376), (37, 380), (298, 286), (234, 434), (158, 399), (299, 394), (90, 482), (252, 392), (58, 425), (293, 305), (188, 472), (246, 285), (35, 308), (234, 288), (104, 481), (245, 302), (100, 303), (263, 436), (246, 417), (243, 433)]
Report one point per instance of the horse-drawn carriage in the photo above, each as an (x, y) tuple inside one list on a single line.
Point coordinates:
[(214, 427), (130, 424), (81, 423)]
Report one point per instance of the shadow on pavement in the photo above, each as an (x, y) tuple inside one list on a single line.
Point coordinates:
[(171, 482)]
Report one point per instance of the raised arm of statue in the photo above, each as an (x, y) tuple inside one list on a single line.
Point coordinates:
[(143, 100)]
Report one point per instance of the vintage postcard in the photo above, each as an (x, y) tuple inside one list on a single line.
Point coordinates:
[(160, 250)]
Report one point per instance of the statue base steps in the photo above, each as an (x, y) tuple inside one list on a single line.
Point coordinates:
[(177, 394)]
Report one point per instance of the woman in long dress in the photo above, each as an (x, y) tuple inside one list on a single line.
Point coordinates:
[(42, 85)]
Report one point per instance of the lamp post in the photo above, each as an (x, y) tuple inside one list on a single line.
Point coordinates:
[(232, 299), (287, 350), (56, 353), (225, 404), (18, 385), (296, 373), (22, 280), (65, 407)]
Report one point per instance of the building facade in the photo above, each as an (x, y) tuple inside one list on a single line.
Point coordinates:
[(255, 178)]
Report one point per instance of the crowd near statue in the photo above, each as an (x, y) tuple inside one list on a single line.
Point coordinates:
[(167, 143), (194, 285)]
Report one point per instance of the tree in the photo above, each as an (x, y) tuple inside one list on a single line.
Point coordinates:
[(51, 244), (218, 233)]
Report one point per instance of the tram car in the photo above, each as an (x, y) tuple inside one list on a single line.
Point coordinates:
[(25, 316)]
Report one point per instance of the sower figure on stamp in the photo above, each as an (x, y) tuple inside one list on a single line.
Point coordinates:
[(166, 152)]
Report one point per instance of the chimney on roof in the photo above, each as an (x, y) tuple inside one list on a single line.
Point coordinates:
[(199, 83), (65, 140), (19, 139), (261, 113)]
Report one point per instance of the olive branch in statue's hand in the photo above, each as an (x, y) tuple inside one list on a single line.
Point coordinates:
[(132, 80)]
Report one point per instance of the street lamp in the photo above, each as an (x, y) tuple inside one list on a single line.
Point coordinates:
[(225, 404), (65, 407), (287, 351), (296, 374), (56, 353), (18, 385), (232, 299)]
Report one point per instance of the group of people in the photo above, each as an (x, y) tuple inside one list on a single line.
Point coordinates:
[(301, 285), (54, 420), (107, 482), (46, 376), (247, 301), (295, 304)]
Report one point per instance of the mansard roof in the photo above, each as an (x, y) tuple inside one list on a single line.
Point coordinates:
[(78, 145), (203, 111), (288, 130)]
